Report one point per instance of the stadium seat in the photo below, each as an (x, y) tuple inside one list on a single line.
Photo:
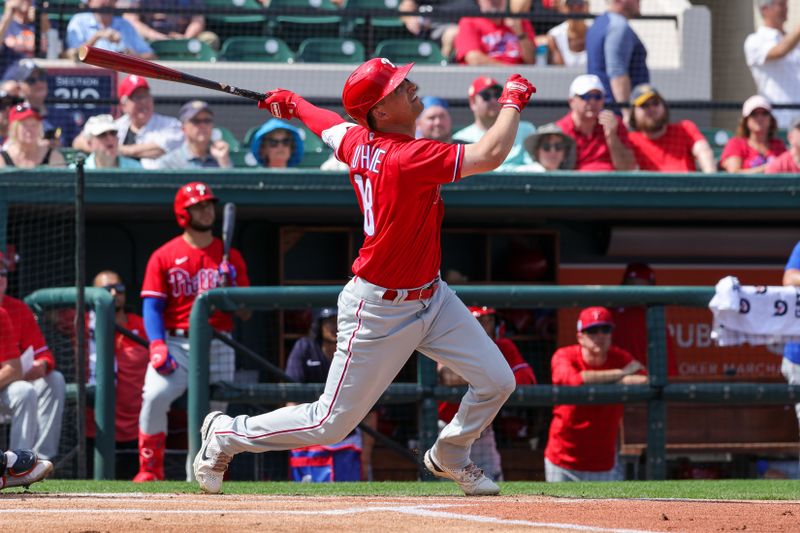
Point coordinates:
[(315, 151), (183, 50), (717, 138), (223, 133), (256, 50), (323, 20), (243, 159), (330, 50), (231, 17), (403, 51), (380, 22)]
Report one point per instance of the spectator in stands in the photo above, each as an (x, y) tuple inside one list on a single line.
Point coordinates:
[(755, 142), (566, 42), (277, 144), (435, 122), (789, 161), (663, 146), (7, 102), (17, 396), (309, 362), (790, 366), (583, 438), (198, 150), (18, 31), (484, 93), (130, 366), (106, 31), (484, 450), (615, 53), (100, 133), (551, 149), (494, 40), (630, 333), (27, 147), (143, 134), (39, 372), (601, 140), (32, 82), (443, 31), (774, 59), (189, 23)]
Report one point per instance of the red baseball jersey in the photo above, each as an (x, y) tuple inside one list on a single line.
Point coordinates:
[(177, 272), (26, 333), (584, 437), (7, 349), (592, 151), (397, 180)]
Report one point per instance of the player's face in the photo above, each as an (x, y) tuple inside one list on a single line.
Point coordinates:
[(488, 322), (198, 128), (401, 106), (202, 215), (551, 152), (595, 342), (113, 284), (139, 106), (435, 123)]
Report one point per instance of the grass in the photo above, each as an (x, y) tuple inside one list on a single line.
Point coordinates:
[(718, 489)]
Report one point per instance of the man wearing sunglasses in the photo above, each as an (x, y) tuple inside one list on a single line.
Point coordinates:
[(32, 80), (484, 93), (583, 438), (601, 140), (199, 149)]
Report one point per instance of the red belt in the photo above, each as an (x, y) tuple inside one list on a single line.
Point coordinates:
[(415, 294)]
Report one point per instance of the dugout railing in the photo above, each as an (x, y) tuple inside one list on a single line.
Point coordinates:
[(426, 392)]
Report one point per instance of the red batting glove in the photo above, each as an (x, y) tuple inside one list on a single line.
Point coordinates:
[(516, 93), (280, 102), (161, 359)]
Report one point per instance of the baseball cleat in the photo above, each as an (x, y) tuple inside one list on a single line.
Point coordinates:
[(211, 463), (27, 470), (470, 478)]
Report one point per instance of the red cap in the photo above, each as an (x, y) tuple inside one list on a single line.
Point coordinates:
[(594, 316), (21, 112), (639, 271), (130, 84), (481, 83), (478, 312), (369, 84)]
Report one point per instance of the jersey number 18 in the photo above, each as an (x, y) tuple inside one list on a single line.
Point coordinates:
[(365, 189)]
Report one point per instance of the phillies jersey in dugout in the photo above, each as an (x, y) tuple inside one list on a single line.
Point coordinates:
[(179, 272)]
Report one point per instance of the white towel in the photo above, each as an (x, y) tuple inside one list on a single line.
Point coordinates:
[(754, 314)]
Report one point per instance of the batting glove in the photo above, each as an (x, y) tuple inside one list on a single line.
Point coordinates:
[(516, 93), (280, 102), (227, 274), (161, 359)]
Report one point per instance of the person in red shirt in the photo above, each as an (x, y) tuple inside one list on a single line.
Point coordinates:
[(396, 304), (755, 143), (663, 146), (48, 383), (601, 140), (484, 450), (582, 445), (130, 364), (789, 161), (494, 40), (176, 273)]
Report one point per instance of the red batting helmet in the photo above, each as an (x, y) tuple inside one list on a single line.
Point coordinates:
[(189, 195), (478, 312), (369, 84)]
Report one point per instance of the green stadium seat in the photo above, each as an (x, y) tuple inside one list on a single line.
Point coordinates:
[(231, 17), (248, 136), (784, 136), (380, 22), (256, 50), (717, 138), (183, 50), (403, 51), (330, 50), (315, 152), (320, 5), (243, 159), (223, 133), (324, 21)]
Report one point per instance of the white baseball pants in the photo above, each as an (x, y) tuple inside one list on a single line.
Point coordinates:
[(37, 410), (375, 339)]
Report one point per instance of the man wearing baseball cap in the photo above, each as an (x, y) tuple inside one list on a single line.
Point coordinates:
[(663, 146), (483, 95), (601, 140), (396, 302), (582, 445), (32, 81), (199, 149), (100, 133)]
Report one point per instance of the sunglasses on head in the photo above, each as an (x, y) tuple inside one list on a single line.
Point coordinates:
[(119, 287), (490, 94), (201, 120), (274, 143), (591, 96), (594, 330), (556, 146), (33, 78)]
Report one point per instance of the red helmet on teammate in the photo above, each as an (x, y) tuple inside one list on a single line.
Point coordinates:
[(369, 84), (188, 195), (478, 311)]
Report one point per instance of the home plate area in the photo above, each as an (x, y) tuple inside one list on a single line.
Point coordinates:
[(31, 512)]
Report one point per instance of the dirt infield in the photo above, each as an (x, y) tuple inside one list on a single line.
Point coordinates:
[(33, 512)]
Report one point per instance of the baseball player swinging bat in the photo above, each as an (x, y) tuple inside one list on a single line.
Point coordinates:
[(228, 223), (148, 69)]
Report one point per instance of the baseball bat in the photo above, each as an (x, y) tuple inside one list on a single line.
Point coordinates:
[(148, 69), (228, 223)]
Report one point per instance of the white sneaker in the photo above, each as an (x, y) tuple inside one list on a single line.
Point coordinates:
[(470, 478), (211, 463), (27, 470)]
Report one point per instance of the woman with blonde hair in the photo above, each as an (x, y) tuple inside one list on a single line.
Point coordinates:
[(26, 146), (755, 142), (567, 41)]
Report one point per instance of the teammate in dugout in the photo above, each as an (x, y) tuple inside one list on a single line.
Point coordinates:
[(176, 273), (396, 303)]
